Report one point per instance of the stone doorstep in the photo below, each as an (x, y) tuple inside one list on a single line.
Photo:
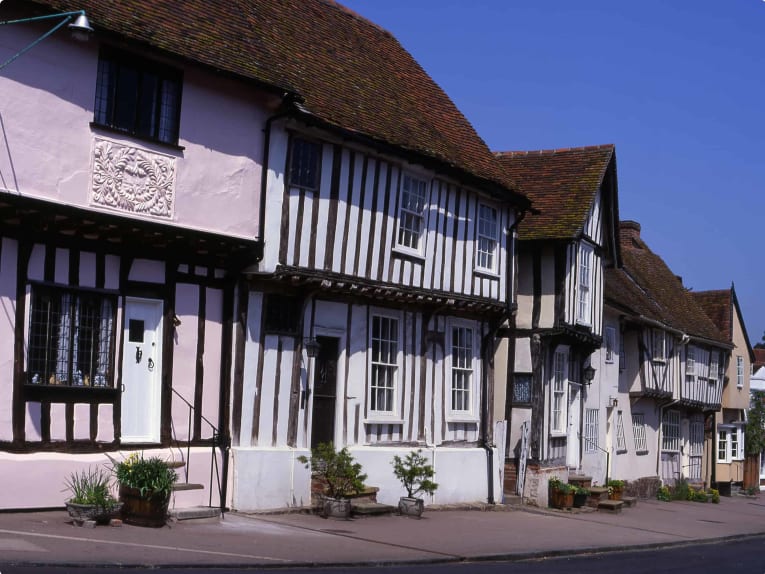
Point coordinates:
[(614, 506), (580, 480), (181, 486), (196, 513), (629, 501), (364, 508)]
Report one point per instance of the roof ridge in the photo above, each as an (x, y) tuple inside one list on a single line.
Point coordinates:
[(518, 153), (354, 14)]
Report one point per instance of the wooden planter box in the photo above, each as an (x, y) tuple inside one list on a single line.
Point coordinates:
[(140, 510), (560, 499)]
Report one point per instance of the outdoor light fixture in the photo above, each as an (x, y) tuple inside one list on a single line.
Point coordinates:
[(80, 28), (589, 374), (312, 347)]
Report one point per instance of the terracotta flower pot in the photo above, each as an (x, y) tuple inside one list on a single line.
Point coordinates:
[(615, 493), (147, 510)]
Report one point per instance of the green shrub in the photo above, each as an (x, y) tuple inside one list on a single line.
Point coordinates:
[(556, 484), (615, 483), (415, 473), (152, 477), (91, 487), (681, 490), (342, 475), (664, 494), (715, 495)]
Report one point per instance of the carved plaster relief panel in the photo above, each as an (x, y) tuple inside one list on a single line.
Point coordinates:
[(132, 180)]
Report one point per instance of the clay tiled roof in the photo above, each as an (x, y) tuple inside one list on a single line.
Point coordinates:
[(646, 287), (759, 358), (718, 305), (561, 184), (350, 73)]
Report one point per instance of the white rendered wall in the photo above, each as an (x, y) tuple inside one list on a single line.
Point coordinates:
[(52, 92)]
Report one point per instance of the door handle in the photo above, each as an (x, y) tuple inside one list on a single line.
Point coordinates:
[(138, 354), (150, 364), (122, 387)]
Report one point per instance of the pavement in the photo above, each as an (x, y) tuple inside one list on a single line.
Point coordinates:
[(295, 539)]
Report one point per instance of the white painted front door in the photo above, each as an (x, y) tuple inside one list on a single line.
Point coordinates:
[(141, 371), (574, 425)]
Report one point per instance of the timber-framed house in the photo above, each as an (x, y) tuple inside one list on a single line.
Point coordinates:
[(671, 361), (230, 242), (563, 252)]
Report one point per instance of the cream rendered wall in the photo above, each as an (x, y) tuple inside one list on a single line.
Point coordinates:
[(51, 92), (547, 309), (735, 397), (525, 297)]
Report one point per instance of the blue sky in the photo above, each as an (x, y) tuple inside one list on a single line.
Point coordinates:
[(677, 85)]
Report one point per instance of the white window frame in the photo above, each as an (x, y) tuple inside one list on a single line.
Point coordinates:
[(393, 414), (739, 371), (670, 431), (690, 360), (610, 343), (559, 392), (584, 284), (621, 441), (729, 443), (658, 346), (591, 430), (487, 239), (638, 432), (469, 415), (407, 216)]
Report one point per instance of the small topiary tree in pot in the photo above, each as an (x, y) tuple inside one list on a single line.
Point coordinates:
[(340, 475), (415, 473)]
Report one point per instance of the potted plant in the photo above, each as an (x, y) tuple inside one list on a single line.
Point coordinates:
[(145, 485), (580, 496), (91, 497), (561, 493), (415, 473), (339, 476), (615, 489)]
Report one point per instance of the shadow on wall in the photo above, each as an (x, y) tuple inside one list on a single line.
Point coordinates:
[(8, 178)]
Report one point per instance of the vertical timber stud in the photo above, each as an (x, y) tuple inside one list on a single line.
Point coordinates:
[(226, 345), (200, 370), (537, 397), (22, 264), (242, 293), (171, 270)]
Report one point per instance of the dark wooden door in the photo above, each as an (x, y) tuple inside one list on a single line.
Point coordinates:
[(324, 391)]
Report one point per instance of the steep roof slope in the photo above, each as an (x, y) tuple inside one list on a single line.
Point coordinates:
[(562, 184), (349, 73), (647, 287), (720, 306)]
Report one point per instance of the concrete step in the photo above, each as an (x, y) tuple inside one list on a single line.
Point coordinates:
[(629, 501), (181, 486), (196, 514), (512, 500), (175, 463), (364, 508), (614, 506)]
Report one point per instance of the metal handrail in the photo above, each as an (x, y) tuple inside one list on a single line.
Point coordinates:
[(216, 442), (597, 446)]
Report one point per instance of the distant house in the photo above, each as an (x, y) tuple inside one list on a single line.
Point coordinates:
[(672, 362), (235, 230), (728, 443), (563, 253)]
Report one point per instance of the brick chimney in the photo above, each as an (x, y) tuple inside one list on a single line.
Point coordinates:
[(629, 233)]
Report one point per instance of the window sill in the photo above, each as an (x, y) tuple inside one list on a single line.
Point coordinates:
[(64, 393), (126, 133), (383, 421), (486, 273), (468, 419), (404, 253), (558, 434)]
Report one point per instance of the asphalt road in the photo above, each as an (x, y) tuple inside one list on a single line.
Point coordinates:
[(746, 556)]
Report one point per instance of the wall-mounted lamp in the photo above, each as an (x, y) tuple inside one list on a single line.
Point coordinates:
[(80, 28), (613, 402), (312, 347), (176, 321), (589, 374)]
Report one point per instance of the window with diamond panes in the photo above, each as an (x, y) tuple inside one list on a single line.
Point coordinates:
[(71, 338)]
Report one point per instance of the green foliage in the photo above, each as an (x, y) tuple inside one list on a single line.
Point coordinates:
[(698, 495), (715, 495), (152, 477), (556, 484), (752, 491), (337, 468), (681, 490), (92, 487), (664, 494), (580, 490), (415, 472), (615, 483), (754, 433)]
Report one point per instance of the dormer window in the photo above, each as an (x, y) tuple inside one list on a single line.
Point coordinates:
[(411, 214), (138, 96)]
